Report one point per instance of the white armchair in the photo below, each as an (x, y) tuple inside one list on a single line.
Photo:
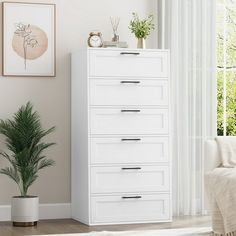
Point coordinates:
[(212, 160)]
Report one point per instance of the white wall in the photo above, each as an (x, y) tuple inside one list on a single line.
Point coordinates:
[(51, 97)]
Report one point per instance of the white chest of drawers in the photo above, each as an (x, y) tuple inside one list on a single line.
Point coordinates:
[(121, 165)]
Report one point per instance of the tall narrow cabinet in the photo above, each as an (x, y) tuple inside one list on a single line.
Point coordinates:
[(121, 164)]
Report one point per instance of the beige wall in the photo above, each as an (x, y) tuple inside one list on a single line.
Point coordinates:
[(51, 97)]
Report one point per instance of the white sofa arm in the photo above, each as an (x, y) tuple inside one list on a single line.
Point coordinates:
[(211, 155)]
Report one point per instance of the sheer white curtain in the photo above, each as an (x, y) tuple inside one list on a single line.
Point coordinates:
[(188, 30)]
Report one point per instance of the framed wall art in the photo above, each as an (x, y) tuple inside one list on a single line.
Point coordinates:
[(29, 39)]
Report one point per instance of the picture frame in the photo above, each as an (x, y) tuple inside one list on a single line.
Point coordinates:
[(29, 39)]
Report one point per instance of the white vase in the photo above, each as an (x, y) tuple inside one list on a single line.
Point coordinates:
[(25, 211), (141, 43)]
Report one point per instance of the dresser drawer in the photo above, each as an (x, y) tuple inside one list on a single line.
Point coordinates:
[(128, 178), (129, 150), (128, 92), (140, 208), (133, 63), (129, 121)]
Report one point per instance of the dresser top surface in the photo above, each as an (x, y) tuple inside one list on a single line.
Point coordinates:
[(88, 49)]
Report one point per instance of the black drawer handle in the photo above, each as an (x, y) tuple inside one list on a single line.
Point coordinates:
[(130, 139), (130, 53), (130, 82), (131, 168), (135, 197), (130, 110)]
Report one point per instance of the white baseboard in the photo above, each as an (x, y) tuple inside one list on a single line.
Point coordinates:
[(46, 211)]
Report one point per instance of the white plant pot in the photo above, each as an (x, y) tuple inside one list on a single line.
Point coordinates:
[(25, 211)]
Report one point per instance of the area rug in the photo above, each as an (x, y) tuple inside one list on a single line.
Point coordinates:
[(198, 231)]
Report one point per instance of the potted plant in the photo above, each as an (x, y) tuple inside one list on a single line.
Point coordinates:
[(141, 28), (23, 138)]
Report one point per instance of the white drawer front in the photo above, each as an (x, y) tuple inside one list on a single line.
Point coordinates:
[(129, 179), (129, 150), (128, 92), (121, 63), (109, 209), (129, 121)]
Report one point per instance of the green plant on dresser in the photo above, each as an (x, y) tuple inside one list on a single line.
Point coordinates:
[(141, 28)]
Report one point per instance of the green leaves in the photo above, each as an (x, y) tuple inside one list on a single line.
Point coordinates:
[(23, 137), (12, 173), (141, 28)]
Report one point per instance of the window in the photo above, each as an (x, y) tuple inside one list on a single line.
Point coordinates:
[(226, 67)]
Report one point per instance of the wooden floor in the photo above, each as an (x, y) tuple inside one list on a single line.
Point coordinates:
[(72, 226)]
